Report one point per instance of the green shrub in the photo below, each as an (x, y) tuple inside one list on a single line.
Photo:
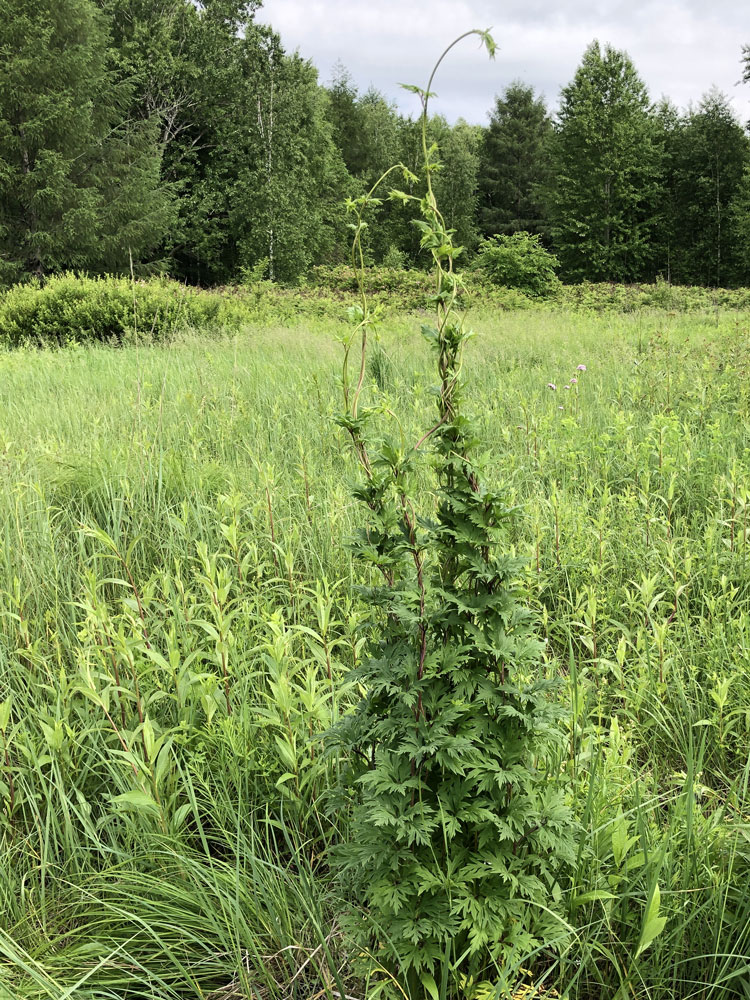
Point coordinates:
[(394, 258), (399, 289), (519, 261), (73, 309), (387, 285)]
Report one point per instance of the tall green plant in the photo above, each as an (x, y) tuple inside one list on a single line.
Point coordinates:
[(458, 831)]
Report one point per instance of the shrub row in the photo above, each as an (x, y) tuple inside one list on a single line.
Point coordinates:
[(72, 309), (660, 295), (403, 289), (409, 289)]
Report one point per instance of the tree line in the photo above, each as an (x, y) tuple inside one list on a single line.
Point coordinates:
[(179, 135)]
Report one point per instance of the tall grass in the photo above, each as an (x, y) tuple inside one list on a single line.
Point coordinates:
[(177, 612)]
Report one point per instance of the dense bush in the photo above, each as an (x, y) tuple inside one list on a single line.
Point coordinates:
[(408, 286), (398, 289), (519, 261), (72, 309)]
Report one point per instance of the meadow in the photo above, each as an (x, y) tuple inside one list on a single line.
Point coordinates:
[(179, 614)]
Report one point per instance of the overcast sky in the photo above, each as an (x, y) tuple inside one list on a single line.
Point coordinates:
[(680, 47)]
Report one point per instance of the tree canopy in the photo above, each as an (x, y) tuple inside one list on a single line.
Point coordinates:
[(605, 162), (180, 135), (80, 183)]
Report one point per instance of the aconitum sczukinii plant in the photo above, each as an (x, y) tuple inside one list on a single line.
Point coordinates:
[(460, 829)]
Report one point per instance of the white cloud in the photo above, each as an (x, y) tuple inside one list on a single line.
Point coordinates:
[(680, 47)]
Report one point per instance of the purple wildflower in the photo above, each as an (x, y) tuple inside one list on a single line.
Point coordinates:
[(574, 381), (581, 368), (551, 385)]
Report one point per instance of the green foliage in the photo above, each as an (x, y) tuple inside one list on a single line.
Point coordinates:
[(75, 309), (706, 154), (597, 297), (394, 259), (455, 182), (519, 261), (739, 217), (514, 163), (372, 135), (606, 171), (291, 209), (69, 309), (246, 139), (636, 493), (393, 290), (185, 138), (460, 830), (79, 184), (366, 128)]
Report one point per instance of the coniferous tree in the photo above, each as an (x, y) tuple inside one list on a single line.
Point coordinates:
[(514, 163), (152, 50), (347, 117), (606, 166), (371, 134), (267, 180), (739, 220), (709, 152), (287, 206), (246, 138), (79, 184), (386, 138), (185, 62), (664, 245)]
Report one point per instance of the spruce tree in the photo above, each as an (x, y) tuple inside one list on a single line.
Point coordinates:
[(606, 167), (739, 219), (709, 152), (79, 186), (286, 204), (347, 116), (664, 239), (176, 56), (247, 141), (514, 163)]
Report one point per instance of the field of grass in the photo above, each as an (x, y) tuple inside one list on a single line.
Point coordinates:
[(178, 614)]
